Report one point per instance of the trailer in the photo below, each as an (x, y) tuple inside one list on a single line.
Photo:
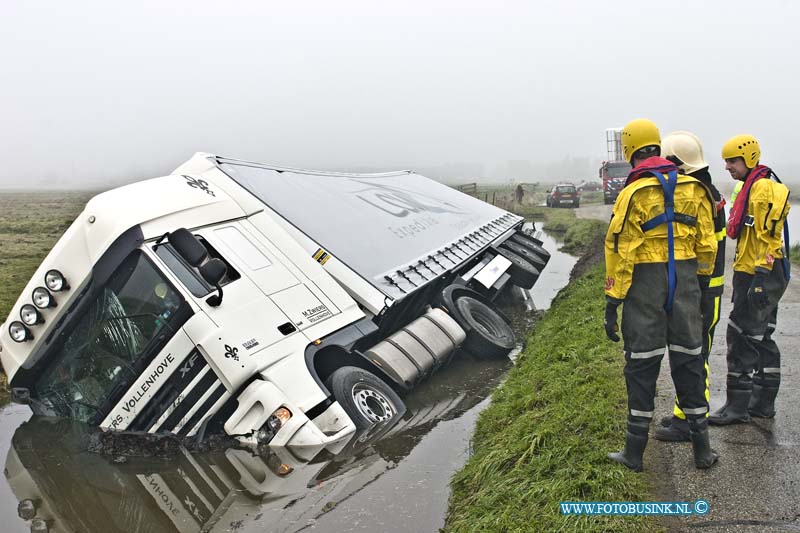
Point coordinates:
[(281, 306)]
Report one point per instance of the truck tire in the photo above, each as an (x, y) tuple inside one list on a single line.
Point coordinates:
[(523, 251), (533, 244), (523, 274), (488, 336), (365, 398)]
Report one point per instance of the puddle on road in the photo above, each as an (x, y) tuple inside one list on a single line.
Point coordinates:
[(392, 479)]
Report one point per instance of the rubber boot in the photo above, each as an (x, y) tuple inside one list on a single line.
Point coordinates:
[(635, 443), (704, 456), (666, 421), (677, 431), (734, 411), (762, 401)]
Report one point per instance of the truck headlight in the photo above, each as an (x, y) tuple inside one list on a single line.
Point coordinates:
[(30, 315), (19, 332), (55, 281), (42, 298)]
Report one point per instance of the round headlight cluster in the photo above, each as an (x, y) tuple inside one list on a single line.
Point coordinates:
[(30, 315), (55, 281), (42, 298), (19, 332)]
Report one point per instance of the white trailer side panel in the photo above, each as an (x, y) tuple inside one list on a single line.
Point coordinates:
[(379, 225)]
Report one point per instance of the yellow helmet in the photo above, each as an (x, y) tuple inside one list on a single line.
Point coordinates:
[(686, 147), (638, 134), (744, 146)]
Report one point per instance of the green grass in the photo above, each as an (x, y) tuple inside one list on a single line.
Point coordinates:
[(545, 436), (576, 233), (591, 197), (794, 253), (30, 224), (5, 394)]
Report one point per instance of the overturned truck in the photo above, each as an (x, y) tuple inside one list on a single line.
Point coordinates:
[(281, 306)]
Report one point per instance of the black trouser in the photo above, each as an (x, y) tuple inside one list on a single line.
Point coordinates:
[(648, 331), (749, 335), (710, 305)]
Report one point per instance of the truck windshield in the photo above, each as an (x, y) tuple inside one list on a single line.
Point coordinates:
[(618, 170), (104, 348)]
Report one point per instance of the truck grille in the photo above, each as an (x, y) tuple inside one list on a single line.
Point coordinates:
[(191, 394)]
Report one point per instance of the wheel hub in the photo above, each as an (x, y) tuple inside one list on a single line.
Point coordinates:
[(372, 404)]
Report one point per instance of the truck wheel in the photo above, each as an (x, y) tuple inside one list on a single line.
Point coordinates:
[(523, 274), (523, 251), (365, 398), (488, 334), (533, 244)]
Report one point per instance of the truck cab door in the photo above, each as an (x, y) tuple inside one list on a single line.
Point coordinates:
[(248, 331)]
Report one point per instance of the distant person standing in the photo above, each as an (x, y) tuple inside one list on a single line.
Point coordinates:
[(760, 275), (684, 149), (661, 236)]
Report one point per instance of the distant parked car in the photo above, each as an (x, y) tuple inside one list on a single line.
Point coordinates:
[(563, 194), (590, 186)]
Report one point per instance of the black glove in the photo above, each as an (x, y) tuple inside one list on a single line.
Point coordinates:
[(757, 295), (610, 321)]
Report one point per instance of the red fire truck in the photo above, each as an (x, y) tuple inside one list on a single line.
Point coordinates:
[(615, 170)]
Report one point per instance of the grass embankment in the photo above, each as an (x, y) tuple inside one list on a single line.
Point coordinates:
[(544, 438), (576, 233), (30, 224)]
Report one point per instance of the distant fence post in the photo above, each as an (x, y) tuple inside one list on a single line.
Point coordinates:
[(469, 188)]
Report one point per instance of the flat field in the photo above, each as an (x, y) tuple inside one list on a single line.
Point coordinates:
[(30, 224)]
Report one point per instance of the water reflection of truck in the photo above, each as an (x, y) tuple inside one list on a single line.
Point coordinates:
[(615, 169), (60, 484), (278, 305)]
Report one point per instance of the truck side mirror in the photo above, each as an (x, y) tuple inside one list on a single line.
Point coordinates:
[(188, 246), (213, 271)]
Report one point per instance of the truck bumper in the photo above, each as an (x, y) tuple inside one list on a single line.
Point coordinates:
[(306, 438)]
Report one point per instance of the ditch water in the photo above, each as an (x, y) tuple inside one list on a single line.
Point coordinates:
[(390, 479)]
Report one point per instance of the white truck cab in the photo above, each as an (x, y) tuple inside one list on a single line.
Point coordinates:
[(282, 306)]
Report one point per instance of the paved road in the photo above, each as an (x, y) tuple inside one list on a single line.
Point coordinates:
[(756, 484)]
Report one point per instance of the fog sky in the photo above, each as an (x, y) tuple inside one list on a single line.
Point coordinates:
[(98, 92)]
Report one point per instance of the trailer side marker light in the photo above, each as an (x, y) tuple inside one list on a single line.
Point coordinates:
[(317, 342)]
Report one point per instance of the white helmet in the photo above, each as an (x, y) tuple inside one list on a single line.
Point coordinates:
[(685, 149)]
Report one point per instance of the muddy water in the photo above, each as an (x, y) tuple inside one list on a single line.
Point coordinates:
[(391, 479)]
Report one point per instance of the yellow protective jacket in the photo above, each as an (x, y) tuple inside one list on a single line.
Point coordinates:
[(760, 242), (627, 244)]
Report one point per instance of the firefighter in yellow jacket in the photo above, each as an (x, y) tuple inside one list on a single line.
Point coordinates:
[(684, 149), (660, 238), (760, 275)]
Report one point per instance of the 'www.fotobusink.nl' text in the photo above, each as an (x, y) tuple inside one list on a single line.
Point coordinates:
[(698, 507)]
